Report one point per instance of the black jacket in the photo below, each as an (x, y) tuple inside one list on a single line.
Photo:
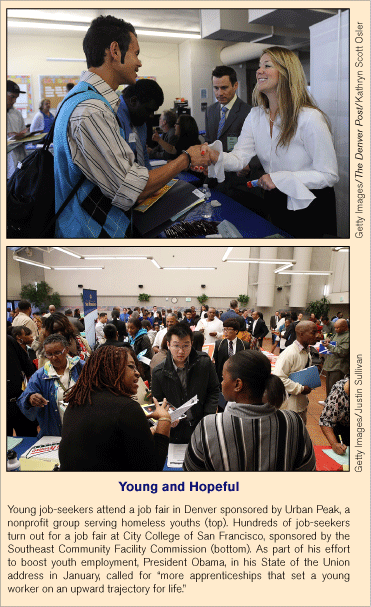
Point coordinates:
[(202, 381), (110, 434), (261, 329), (221, 353), (140, 344)]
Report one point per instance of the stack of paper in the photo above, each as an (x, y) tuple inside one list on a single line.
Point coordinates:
[(43, 455)]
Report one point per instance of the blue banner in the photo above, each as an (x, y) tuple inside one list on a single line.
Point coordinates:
[(89, 300)]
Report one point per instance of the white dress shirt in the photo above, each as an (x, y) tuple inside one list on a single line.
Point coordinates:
[(213, 326), (308, 162)]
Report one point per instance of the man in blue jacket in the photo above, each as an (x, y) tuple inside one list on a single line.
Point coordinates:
[(138, 103)]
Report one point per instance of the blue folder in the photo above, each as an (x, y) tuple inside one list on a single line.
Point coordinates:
[(307, 377)]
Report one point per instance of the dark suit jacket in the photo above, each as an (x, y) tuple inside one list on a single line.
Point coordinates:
[(233, 124), (221, 353), (261, 329)]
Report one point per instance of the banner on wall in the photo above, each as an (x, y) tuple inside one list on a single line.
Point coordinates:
[(89, 297), (54, 88)]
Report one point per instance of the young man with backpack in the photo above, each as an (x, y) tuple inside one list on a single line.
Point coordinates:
[(88, 141)]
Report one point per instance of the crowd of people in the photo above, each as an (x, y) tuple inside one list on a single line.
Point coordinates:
[(284, 140), (92, 397)]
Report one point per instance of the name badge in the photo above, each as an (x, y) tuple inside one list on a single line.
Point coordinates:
[(132, 138), (231, 142)]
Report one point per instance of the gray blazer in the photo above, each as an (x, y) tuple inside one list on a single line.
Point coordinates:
[(233, 124)]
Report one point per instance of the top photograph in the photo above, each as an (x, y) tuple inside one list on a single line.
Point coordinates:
[(178, 123)]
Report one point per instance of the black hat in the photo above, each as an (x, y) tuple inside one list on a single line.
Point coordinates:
[(12, 87)]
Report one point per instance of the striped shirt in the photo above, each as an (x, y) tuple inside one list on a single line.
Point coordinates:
[(100, 151), (250, 438)]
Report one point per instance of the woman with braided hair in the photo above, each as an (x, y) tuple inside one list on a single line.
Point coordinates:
[(104, 429)]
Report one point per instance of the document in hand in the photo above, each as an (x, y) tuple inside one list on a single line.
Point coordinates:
[(307, 377)]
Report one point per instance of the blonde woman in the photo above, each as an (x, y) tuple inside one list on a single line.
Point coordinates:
[(292, 138)]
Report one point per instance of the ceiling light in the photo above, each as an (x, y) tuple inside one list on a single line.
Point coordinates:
[(308, 273), (284, 267), (31, 263), (341, 249), (227, 253), (48, 26), (155, 263), (68, 252), (112, 257), (187, 268)]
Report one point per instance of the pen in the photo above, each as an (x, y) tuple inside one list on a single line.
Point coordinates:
[(341, 440)]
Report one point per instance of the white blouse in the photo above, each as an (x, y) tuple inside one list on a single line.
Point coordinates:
[(308, 162)]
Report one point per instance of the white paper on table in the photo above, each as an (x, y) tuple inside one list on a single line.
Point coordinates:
[(181, 410), (175, 456)]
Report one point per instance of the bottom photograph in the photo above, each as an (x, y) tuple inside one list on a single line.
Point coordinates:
[(209, 358)]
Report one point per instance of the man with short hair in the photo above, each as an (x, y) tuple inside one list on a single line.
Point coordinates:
[(228, 346), (74, 321), (125, 315), (183, 374), (273, 325), (188, 320), (259, 328), (51, 311), (171, 320), (99, 333), (337, 363), (69, 87), (167, 125), (15, 126), (296, 358), (233, 313), (211, 327), (88, 141), (24, 317), (112, 337), (138, 103), (224, 119)]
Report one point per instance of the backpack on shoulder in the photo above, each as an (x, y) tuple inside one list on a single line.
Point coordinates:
[(31, 195)]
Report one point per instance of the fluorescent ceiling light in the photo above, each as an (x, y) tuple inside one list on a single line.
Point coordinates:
[(68, 252), (48, 26), (31, 263), (341, 249), (155, 263), (75, 268), (267, 261), (111, 257), (227, 253), (284, 267), (309, 273), (189, 268), (66, 26)]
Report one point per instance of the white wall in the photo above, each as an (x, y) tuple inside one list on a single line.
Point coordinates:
[(197, 59), (158, 59)]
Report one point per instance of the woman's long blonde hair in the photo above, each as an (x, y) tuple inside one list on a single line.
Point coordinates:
[(291, 91)]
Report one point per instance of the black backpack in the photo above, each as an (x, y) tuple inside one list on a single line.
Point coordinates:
[(31, 195)]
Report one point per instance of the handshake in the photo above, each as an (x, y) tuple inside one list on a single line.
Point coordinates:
[(202, 157)]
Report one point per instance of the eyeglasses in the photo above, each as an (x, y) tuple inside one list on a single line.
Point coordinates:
[(55, 354), (183, 348)]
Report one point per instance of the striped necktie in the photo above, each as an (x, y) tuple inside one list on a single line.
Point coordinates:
[(230, 348), (139, 148), (222, 121)]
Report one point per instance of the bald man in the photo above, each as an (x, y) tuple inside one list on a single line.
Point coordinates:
[(337, 363), (296, 358)]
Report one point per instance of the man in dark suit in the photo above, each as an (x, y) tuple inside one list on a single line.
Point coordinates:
[(233, 313), (225, 86), (273, 325), (259, 328), (224, 348)]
